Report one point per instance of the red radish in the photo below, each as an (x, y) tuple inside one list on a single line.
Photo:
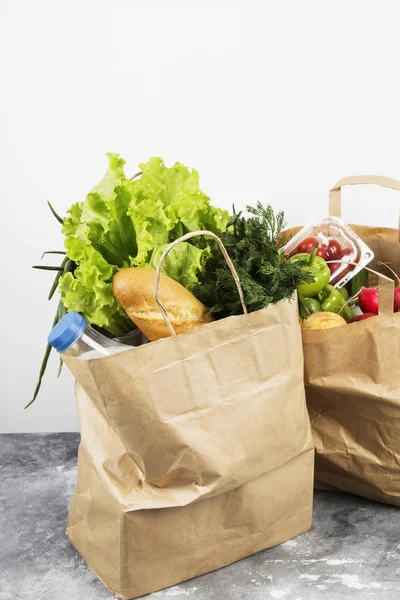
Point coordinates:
[(396, 295), (307, 245), (368, 300), (397, 299), (361, 317)]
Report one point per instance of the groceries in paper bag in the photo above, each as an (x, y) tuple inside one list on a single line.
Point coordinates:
[(337, 258), (115, 238), (114, 241), (151, 263)]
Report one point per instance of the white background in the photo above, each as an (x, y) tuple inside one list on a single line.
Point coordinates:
[(270, 101)]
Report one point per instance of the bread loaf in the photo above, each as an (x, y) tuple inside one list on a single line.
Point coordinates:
[(134, 290)]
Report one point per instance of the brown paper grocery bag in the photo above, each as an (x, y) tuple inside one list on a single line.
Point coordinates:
[(195, 451), (352, 378)]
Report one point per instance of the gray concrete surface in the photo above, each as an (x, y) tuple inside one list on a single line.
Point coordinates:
[(352, 551)]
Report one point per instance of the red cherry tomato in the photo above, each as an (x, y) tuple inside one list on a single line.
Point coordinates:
[(338, 271), (322, 252), (333, 249), (348, 253), (307, 245), (333, 267)]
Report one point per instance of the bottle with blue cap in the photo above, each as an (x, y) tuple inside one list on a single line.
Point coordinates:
[(73, 336)]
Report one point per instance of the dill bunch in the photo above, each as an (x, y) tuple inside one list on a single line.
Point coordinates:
[(253, 243)]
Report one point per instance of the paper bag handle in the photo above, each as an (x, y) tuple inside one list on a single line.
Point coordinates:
[(335, 195), (385, 286), (386, 295), (185, 237)]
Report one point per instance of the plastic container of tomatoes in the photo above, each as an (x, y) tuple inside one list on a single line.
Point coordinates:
[(336, 241)]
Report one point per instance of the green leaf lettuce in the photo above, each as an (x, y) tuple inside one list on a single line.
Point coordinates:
[(124, 223)]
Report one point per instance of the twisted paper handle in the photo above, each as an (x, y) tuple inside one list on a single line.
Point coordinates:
[(335, 193), (385, 286), (185, 237)]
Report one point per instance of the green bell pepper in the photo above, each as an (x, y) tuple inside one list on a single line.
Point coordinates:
[(318, 269), (344, 293), (332, 301)]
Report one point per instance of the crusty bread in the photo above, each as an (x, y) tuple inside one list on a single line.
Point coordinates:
[(134, 290)]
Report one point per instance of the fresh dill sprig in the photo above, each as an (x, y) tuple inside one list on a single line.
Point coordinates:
[(253, 244)]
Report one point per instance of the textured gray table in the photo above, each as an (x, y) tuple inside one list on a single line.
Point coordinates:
[(352, 551)]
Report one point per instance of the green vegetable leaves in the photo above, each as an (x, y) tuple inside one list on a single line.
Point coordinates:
[(125, 222), (264, 273)]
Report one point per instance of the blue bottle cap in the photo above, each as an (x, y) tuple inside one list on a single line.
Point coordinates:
[(67, 331)]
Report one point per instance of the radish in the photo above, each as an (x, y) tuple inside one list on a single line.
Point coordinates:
[(397, 299), (361, 317), (368, 300), (396, 295)]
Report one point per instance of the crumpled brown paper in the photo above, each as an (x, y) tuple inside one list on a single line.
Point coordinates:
[(352, 380), (195, 451)]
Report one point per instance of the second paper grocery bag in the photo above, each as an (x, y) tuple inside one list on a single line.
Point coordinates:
[(195, 451), (352, 380)]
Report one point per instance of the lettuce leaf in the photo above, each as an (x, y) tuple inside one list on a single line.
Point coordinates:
[(125, 223), (182, 263)]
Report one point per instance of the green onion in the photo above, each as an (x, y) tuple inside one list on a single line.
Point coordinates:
[(53, 252), (55, 214), (47, 268), (44, 361)]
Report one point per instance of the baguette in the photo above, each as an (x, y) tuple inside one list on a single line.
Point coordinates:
[(134, 289)]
